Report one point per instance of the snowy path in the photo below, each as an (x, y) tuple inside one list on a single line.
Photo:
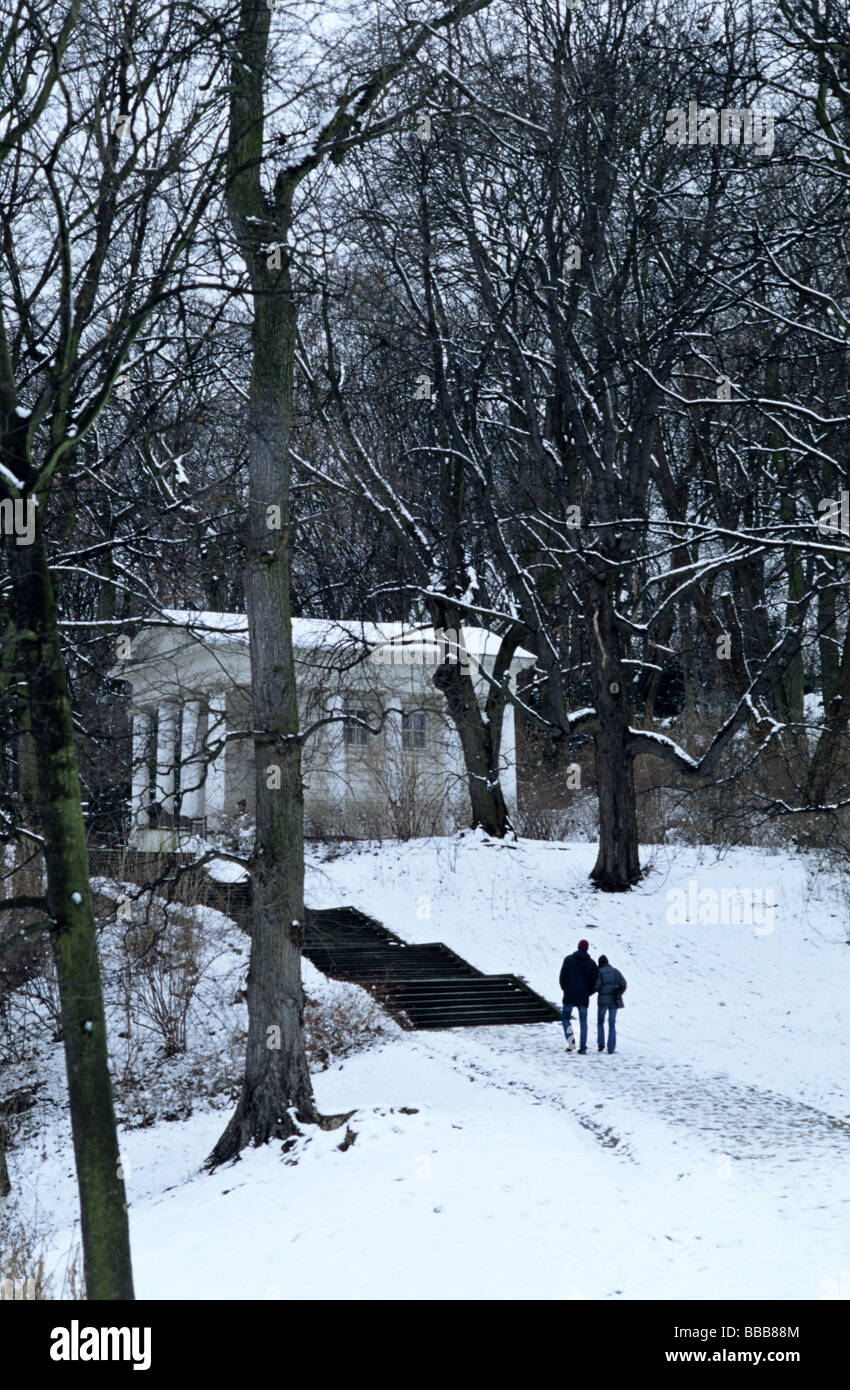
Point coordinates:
[(706, 1159), (743, 1122), (633, 1176)]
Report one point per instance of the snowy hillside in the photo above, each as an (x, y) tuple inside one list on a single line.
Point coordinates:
[(706, 1158)]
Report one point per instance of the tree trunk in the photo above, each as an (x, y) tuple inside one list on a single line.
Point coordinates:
[(276, 1090), (103, 1207), (789, 686), (828, 649), (480, 749), (277, 1079), (825, 583), (617, 865), (5, 1181)]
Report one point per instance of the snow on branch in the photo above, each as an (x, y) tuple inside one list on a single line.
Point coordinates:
[(660, 746)]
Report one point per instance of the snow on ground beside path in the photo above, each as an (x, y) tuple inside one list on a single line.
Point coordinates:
[(485, 1192), (706, 1159), (766, 1007)]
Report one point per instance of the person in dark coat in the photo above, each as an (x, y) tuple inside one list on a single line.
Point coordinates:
[(611, 985), (578, 979)]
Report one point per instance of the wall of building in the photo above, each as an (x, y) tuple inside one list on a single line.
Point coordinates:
[(398, 781)]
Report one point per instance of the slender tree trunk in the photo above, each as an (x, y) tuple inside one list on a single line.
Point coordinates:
[(617, 865), (103, 1207), (828, 648), (277, 1080), (791, 684), (276, 1090), (828, 641), (5, 1181)]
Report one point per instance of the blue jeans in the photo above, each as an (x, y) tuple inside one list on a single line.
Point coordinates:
[(566, 1016), (611, 1011)]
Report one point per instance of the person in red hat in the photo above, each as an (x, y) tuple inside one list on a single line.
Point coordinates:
[(579, 979)]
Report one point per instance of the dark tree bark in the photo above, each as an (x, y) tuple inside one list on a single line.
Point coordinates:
[(276, 1091), (103, 1206), (617, 866), (479, 731), (5, 1181), (277, 1079), (277, 1083), (480, 750)]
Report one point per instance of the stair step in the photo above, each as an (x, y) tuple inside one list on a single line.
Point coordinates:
[(423, 1025), (428, 985)]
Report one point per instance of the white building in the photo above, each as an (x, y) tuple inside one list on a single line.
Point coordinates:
[(193, 772)]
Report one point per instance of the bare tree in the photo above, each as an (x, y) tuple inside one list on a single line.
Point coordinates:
[(595, 276), (106, 172), (261, 201)]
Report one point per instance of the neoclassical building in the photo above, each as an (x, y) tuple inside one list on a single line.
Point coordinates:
[(389, 763)]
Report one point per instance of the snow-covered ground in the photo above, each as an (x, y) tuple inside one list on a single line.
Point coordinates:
[(705, 1159)]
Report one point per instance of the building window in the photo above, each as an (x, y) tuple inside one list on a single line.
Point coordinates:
[(413, 729), (354, 735)]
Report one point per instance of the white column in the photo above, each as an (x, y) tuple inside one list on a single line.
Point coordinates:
[(393, 761), (191, 763), (215, 784), (336, 774), (457, 790), (507, 759), (141, 773), (393, 743), (166, 754)]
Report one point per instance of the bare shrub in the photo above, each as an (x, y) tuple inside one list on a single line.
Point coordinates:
[(415, 806), (28, 967), (160, 971), (401, 798), (549, 808), (328, 848), (22, 1272), (330, 823), (73, 1278), (733, 807), (28, 973), (338, 1027)]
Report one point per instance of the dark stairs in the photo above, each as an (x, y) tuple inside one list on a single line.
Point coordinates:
[(426, 986)]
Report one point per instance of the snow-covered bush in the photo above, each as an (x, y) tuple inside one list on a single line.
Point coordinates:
[(343, 1021)]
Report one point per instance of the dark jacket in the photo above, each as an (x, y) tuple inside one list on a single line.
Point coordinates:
[(578, 979), (610, 985)]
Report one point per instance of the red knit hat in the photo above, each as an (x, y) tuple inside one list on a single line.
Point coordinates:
[(583, 945)]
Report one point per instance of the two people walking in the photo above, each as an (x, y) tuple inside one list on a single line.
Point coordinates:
[(580, 978)]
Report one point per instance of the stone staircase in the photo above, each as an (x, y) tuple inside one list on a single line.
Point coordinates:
[(422, 986)]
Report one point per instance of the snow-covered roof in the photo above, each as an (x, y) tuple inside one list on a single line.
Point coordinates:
[(314, 634)]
